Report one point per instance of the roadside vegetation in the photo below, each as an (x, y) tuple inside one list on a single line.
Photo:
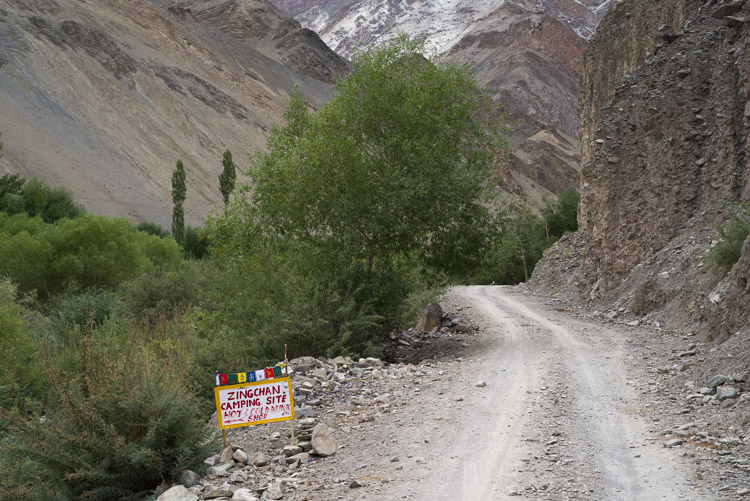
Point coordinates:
[(360, 213), (733, 234)]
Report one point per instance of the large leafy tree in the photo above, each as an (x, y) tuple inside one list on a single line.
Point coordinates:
[(396, 163)]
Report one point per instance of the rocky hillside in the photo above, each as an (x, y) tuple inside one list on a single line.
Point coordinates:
[(664, 127), (104, 96), (528, 53)]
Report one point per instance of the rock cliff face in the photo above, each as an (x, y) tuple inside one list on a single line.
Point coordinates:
[(664, 126), (528, 53), (104, 96)]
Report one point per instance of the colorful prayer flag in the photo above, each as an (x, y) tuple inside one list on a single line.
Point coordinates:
[(222, 379), (241, 377), (269, 373), (260, 375), (277, 372)]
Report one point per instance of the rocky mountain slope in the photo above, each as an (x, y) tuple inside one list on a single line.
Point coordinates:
[(528, 53), (104, 96), (664, 127)]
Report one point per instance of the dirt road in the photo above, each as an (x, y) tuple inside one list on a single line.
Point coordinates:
[(570, 406), (559, 417)]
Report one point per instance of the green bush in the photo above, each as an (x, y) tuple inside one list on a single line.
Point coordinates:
[(733, 234), (194, 243), (561, 215), (167, 291), (123, 421), (20, 372), (86, 310), (152, 229), (38, 199), (88, 251)]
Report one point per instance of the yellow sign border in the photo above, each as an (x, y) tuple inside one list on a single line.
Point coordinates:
[(245, 385)]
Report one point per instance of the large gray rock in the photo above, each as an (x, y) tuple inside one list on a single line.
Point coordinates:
[(717, 381), (244, 494), (177, 493), (226, 454), (218, 493), (305, 364), (726, 392), (291, 450), (275, 490), (430, 317), (302, 457), (188, 478), (240, 456), (259, 459), (322, 441), (220, 468)]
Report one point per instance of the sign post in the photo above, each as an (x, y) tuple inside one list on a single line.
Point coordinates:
[(252, 403), (286, 374), (256, 397)]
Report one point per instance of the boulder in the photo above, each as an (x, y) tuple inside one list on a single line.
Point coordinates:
[(305, 364), (226, 454), (302, 457), (244, 494), (259, 459), (220, 468), (275, 490), (726, 392), (430, 317), (188, 478), (218, 493), (240, 456), (177, 493), (322, 441)]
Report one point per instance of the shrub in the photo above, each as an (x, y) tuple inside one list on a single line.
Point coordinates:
[(88, 251), (152, 229), (194, 243), (733, 234), (36, 198), (20, 372), (122, 423), (89, 309), (166, 291), (561, 215)]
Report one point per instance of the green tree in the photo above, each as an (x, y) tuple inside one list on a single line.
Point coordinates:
[(561, 216), (397, 162), (355, 207), (11, 183), (178, 197), (228, 176)]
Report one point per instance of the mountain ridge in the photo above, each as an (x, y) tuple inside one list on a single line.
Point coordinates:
[(104, 97)]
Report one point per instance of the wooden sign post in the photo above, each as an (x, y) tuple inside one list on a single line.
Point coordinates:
[(249, 398)]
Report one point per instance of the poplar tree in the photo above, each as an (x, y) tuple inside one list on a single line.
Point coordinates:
[(227, 177), (178, 197)]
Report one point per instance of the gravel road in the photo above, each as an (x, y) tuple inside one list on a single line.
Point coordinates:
[(541, 401), (559, 417)]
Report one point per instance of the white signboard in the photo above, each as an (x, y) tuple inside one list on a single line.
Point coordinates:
[(254, 403)]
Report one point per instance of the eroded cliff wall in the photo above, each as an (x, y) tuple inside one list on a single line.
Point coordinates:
[(666, 146)]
